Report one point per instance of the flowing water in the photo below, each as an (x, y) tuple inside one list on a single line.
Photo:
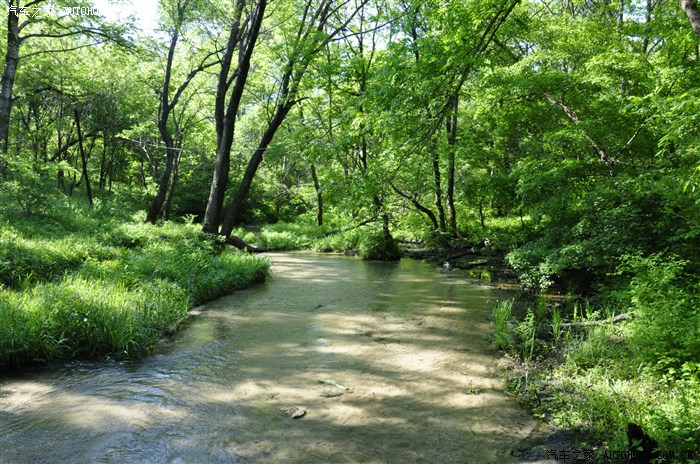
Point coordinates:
[(387, 363)]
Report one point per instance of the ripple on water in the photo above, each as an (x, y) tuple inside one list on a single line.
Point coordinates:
[(390, 360)]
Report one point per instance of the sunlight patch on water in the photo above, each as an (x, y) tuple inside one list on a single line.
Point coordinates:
[(390, 362)]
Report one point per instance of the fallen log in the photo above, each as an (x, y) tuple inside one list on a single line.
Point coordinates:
[(618, 318), (241, 245), (449, 256)]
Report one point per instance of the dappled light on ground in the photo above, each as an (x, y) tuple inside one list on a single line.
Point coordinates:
[(389, 361)]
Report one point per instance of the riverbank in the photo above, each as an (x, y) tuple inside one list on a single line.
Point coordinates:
[(81, 283), (579, 368), (593, 368)]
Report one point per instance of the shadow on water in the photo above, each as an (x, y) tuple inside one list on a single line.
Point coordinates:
[(390, 362)]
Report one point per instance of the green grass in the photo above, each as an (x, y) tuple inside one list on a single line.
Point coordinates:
[(501, 314), (96, 285), (596, 379)]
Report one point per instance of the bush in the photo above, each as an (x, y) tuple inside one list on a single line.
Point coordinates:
[(666, 331), (343, 242), (271, 240), (376, 244)]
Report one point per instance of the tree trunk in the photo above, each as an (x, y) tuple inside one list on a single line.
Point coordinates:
[(319, 196), (164, 109), (452, 147), (8, 79), (438, 189), (212, 215), (82, 156), (234, 210), (158, 201), (691, 11), (103, 161), (171, 190), (226, 117)]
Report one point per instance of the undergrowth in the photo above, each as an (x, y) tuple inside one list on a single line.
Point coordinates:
[(367, 241), (594, 379), (88, 283)]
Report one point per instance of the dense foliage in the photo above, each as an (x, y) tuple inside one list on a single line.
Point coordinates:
[(565, 133)]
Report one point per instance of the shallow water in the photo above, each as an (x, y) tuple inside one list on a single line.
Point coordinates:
[(390, 361)]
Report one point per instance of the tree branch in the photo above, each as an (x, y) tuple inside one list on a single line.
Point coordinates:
[(576, 120), (417, 204)]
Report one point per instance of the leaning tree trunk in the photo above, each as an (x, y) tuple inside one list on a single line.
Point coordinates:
[(225, 113), (234, 210)]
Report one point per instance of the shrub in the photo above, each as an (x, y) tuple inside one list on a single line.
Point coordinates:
[(377, 244), (271, 240), (666, 331)]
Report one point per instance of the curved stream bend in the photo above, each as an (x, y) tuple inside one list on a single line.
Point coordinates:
[(390, 362)]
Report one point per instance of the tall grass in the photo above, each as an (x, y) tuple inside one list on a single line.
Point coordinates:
[(82, 291), (595, 379)]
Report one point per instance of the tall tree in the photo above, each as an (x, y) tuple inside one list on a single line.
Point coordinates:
[(690, 7), (242, 37), (319, 23), (433, 69), (168, 99)]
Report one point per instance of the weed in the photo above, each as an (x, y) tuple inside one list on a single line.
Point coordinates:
[(501, 314), (556, 324)]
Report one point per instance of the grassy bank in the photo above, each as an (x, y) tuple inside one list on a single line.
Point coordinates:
[(90, 283), (579, 370)]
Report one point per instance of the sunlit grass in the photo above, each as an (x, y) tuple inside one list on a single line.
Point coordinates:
[(107, 292), (501, 314)]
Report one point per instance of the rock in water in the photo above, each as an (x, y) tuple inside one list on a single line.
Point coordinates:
[(294, 413)]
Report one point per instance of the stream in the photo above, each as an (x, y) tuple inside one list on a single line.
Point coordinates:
[(384, 362)]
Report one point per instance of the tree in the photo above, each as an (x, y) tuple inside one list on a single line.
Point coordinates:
[(306, 37), (176, 13), (243, 36), (433, 70), (691, 11), (43, 25)]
